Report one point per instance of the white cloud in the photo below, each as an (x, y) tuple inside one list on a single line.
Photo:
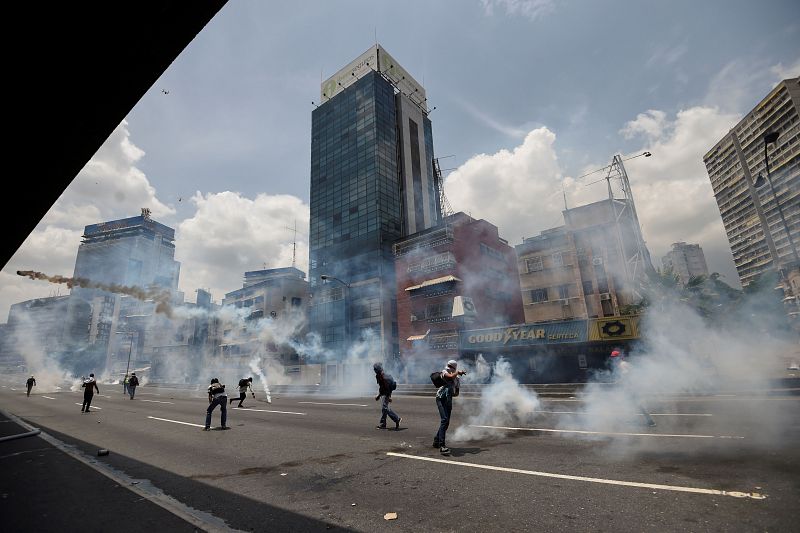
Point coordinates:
[(230, 234), (515, 132), (743, 82), (667, 55), (650, 123), (518, 190), (531, 9)]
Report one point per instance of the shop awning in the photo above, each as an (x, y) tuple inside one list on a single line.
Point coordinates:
[(435, 281)]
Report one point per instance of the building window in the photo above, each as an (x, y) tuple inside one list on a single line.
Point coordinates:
[(563, 291), (538, 295), (558, 259), (602, 284), (588, 287), (297, 302), (491, 252), (438, 310), (582, 361), (534, 264)]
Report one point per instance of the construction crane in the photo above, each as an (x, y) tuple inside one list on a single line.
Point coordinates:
[(444, 205)]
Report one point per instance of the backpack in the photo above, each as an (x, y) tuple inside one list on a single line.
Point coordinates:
[(243, 382), (216, 388), (437, 379), (134, 381), (390, 382)]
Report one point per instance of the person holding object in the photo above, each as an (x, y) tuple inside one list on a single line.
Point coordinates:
[(217, 396), (89, 385), (386, 384), (444, 402)]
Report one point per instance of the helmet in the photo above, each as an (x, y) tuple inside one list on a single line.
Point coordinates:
[(452, 363), (615, 353), (378, 368)]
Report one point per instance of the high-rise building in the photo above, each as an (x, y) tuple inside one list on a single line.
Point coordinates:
[(372, 182), (734, 165), (686, 261), (135, 252)]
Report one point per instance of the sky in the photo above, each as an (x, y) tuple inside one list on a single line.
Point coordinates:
[(528, 96)]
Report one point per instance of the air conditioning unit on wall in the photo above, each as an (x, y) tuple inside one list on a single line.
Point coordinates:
[(605, 296), (597, 260)]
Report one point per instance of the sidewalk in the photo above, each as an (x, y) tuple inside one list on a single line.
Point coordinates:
[(46, 489)]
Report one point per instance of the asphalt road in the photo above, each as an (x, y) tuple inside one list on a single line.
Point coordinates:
[(311, 463)]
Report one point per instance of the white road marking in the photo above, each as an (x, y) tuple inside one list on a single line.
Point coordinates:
[(652, 486), (690, 436), (154, 401), (150, 393), (651, 414), (326, 403), (92, 407), (176, 421), (48, 397), (12, 388), (266, 411)]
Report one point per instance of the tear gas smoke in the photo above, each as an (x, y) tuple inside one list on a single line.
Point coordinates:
[(160, 296), (503, 402)]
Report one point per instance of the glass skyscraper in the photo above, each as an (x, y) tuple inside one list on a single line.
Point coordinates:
[(372, 182)]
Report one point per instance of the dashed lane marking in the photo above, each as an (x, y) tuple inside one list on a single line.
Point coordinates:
[(48, 397), (91, 408), (651, 414), (154, 401), (688, 436), (267, 411), (328, 403), (651, 486), (176, 421)]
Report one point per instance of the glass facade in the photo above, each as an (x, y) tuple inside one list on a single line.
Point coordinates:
[(356, 215)]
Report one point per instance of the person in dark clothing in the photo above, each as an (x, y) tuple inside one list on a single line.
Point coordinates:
[(385, 391), (89, 386), (244, 384), (217, 396), (133, 382), (30, 384), (444, 402)]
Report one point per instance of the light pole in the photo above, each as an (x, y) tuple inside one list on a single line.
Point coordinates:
[(130, 350), (786, 274)]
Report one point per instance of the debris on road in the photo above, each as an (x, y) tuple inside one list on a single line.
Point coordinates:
[(390, 516)]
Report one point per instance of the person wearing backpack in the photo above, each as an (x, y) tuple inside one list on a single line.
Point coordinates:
[(133, 382), (244, 384), (217, 396), (386, 384), (449, 384)]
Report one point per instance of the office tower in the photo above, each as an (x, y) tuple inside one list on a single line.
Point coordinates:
[(686, 261), (749, 205), (372, 182), (131, 252)]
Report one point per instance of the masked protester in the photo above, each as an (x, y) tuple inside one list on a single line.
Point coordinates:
[(244, 384), (386, 384), (133, 382), (31, 383), (444, 401), (89, 386)]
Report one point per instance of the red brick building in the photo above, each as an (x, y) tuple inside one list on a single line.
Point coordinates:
[(457, 276)]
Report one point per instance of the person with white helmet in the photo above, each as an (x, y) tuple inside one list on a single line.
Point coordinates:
[(444, 401)]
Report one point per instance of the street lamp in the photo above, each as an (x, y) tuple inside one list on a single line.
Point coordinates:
[(771, 138), (130, 350)]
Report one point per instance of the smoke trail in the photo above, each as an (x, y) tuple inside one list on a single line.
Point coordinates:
[(503, 402), (256, 367), (160, 296)]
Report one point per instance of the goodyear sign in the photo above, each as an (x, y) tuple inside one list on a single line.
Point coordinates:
[(526, 335), (614, 328)]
